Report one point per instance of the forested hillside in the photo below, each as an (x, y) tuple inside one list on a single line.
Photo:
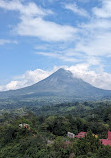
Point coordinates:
[(45, 134)]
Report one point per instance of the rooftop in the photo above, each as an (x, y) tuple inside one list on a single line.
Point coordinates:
[(106, 142), (81, 135)]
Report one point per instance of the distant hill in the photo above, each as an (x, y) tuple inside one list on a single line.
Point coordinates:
[(62, 83)]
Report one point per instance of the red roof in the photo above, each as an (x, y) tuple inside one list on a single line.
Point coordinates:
[(81, 135), (106, 142)]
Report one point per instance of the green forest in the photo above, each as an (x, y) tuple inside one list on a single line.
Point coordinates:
[(47, 135)]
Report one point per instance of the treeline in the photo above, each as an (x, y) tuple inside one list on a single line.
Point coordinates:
[(80, 109)]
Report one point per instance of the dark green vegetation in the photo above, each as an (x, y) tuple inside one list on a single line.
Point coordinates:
[(45, 107), (60, 87), (48, 128)]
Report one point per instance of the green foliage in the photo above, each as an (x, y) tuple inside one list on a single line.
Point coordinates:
[(104, 152), (47, 137)]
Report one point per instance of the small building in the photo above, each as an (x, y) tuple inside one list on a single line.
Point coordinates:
[(107, 141), (21, 125), (70, 135), (24, 125), (81, 135)]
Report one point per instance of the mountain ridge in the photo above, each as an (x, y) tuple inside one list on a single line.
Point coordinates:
[(60, 83)]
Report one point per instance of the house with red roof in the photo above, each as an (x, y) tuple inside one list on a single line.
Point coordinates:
[(81, 135), (107, 141), (104, 141)]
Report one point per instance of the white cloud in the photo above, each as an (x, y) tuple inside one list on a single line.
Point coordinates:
[(34, 76), (74, 8), (14, 85), (29, 9), (100, 45), (97, 77), (95, 35), (104, 11), (33, 23), (26, 79), (45, 30), (57, 55), (91, 39), (4, 41), (2, 88), (60, 51)]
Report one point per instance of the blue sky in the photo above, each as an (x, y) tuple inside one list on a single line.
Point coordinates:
[(39, 36)]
